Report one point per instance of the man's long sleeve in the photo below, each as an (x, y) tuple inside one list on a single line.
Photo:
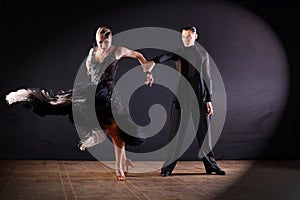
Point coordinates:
[(206, 73), (165, 57)]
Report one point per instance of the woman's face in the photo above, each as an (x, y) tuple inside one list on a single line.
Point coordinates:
[(103, 42)]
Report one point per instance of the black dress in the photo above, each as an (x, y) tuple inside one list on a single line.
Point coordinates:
[(81, 97)]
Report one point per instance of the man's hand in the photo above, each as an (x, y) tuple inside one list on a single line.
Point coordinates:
[(210, 110), (148, 66)]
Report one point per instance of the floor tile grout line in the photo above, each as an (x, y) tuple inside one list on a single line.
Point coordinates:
[(127, 185), (109, 170), (194, 189), (63, 186), (154, 168), (106, 168), (14, 169), (69, 180), (138, 190), (9, 180), (7, 171), (145, 195)]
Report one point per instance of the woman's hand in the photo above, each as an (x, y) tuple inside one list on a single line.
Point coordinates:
[(149, 79)]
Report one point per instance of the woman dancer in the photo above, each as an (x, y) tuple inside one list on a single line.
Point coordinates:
[(101, 66)]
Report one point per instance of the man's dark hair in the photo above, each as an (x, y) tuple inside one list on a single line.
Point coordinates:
[(190, 28)]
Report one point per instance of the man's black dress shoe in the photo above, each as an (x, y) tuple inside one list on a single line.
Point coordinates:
[(218, 172), (165, 173)]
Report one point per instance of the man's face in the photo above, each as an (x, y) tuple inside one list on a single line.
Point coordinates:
[(188, 37)]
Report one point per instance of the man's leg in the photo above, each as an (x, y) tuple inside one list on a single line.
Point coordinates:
[(204, 130), (174, 150), (171, 161)]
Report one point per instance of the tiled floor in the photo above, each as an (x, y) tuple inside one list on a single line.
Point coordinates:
[(52, 179)]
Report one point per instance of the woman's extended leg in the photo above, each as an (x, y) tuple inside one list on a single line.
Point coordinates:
[(126, 163), (119, 147)]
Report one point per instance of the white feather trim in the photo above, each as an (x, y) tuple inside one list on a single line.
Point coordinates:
[(95, 138), (18, 96)]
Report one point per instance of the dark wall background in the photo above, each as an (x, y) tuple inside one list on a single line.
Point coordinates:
[(254, 44)]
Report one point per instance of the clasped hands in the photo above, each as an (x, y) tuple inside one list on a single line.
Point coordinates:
[(147, 68)]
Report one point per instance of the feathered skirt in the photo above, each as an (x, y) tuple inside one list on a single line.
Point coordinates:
[(82, 105)]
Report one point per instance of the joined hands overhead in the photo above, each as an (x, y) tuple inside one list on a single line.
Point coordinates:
[(147, 68)]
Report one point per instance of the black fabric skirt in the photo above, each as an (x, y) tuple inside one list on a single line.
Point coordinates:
[(85, 101)]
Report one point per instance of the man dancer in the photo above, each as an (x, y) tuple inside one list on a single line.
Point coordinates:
[(201, 83)]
